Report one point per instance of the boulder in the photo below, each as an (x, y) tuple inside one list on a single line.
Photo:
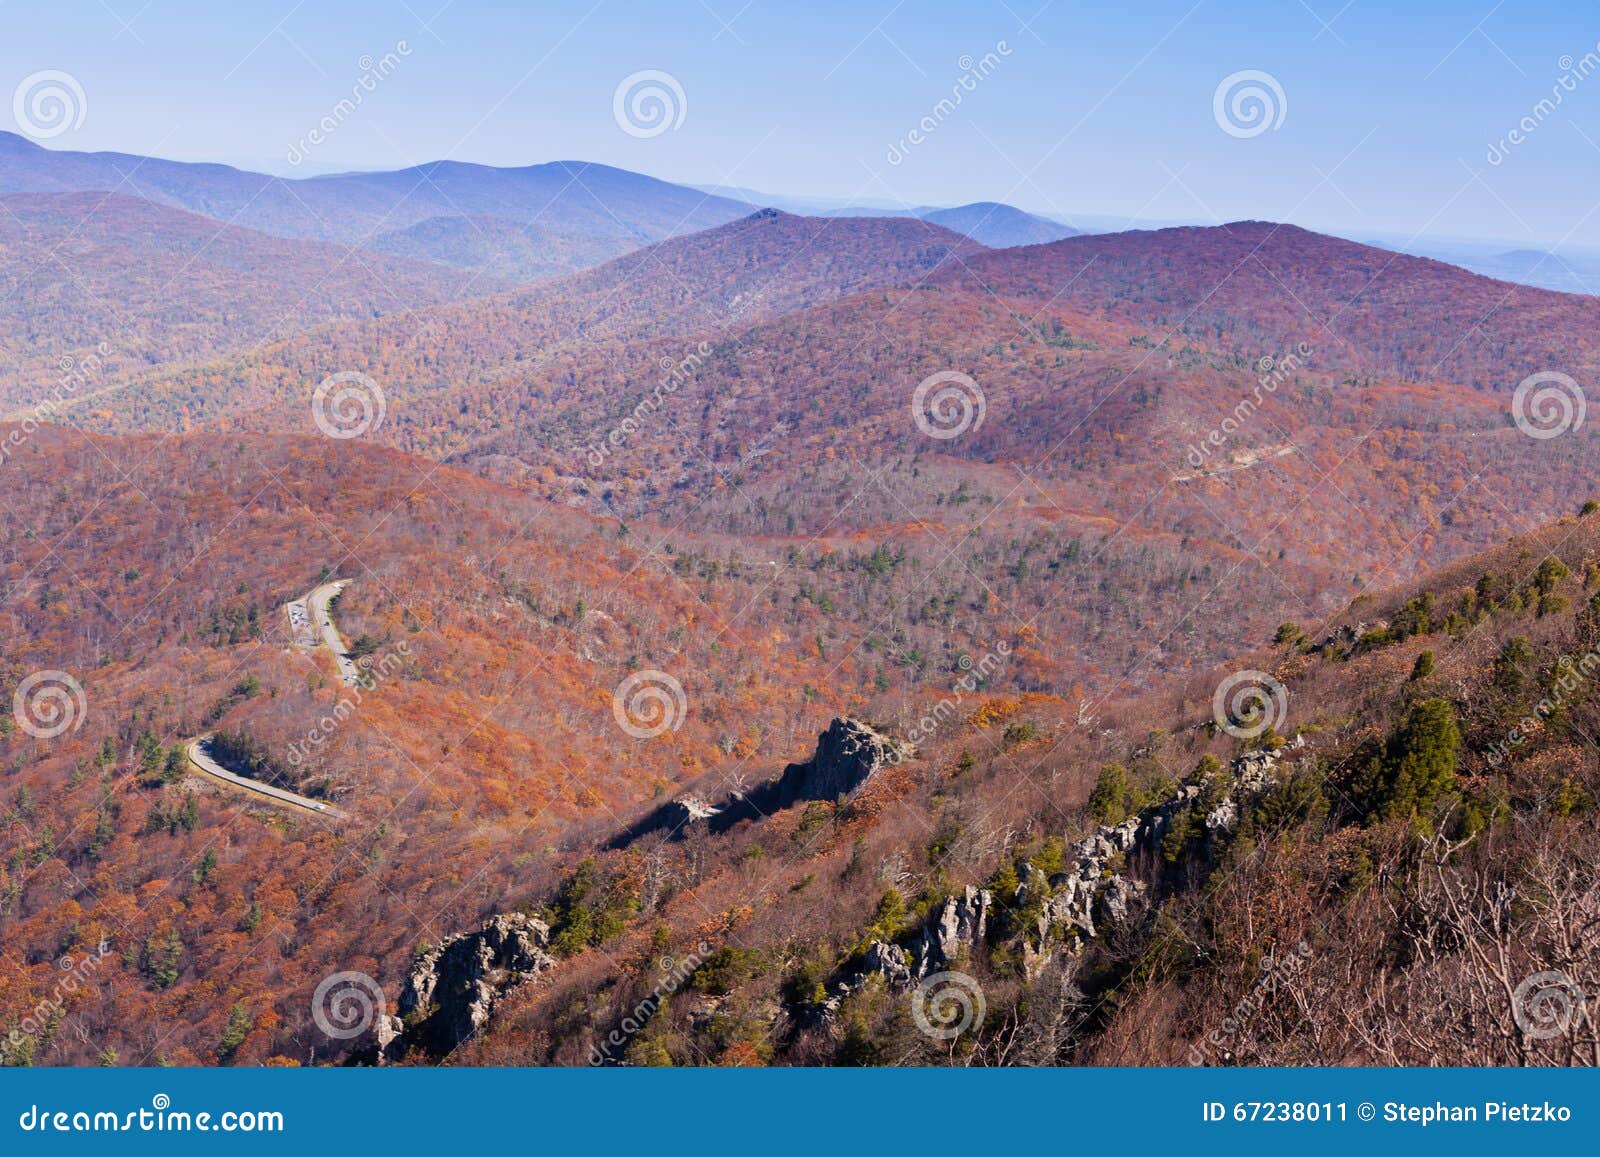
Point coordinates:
[(453, 988), (891, 962), (847, 755), (959, 923)]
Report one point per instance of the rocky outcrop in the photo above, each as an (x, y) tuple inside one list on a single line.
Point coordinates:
[(454, 987), (958, 925), (1344, 639), (675, 820), (1095, 892), (847, 755)]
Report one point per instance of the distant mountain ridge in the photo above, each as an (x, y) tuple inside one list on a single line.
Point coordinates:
[(990, 223), (113, 284), (999, 226), (762, 266), (587, 212)]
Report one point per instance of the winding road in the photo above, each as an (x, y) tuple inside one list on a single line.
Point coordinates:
[(310, 625), (201, 758)]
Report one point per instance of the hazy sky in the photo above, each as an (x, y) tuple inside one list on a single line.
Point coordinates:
[(1389, 111)]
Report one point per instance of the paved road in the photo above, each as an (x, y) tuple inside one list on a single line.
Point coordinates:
[(310, 621), (199, 756)]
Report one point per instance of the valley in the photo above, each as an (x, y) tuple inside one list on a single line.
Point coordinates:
[(508, 587)]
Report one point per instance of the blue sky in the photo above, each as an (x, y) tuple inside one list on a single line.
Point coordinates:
[(1389, 110)]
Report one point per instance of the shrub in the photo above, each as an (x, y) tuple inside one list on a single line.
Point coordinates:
[(1417, 768), (1112, 796)]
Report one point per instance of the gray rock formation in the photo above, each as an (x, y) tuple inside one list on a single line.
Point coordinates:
[(962, 922), (1345, 638), (1095, 892), (847, 755), (959, 924), (453, 988)]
